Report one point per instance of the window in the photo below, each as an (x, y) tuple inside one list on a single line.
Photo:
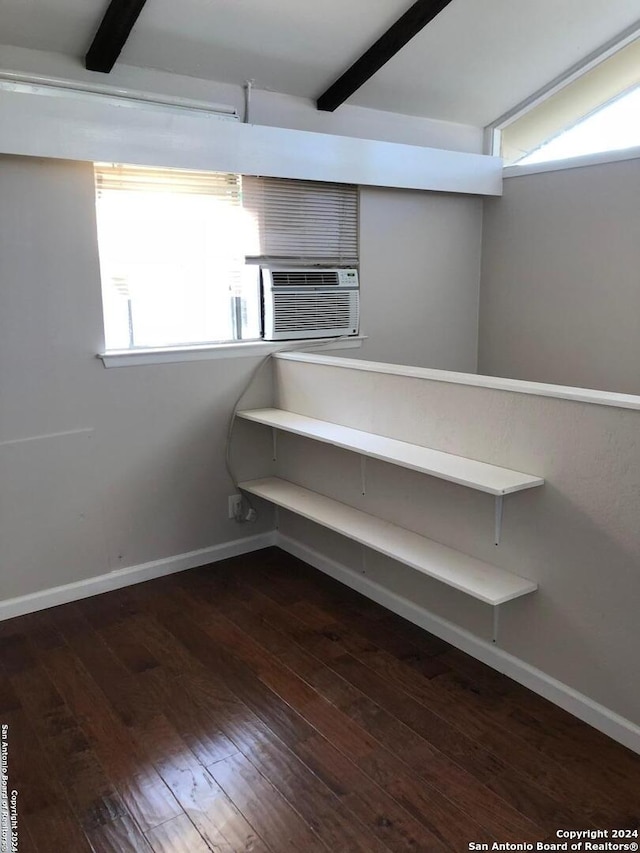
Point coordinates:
[(172, 258), (180, 250), (611, 128), (596, 109)]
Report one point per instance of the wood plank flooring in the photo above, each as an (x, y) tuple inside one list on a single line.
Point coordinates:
[(257, 705)]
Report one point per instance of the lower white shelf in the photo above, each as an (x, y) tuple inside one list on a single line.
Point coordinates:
[(467, 574)]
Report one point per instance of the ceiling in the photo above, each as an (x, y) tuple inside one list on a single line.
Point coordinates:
[(475, 61)]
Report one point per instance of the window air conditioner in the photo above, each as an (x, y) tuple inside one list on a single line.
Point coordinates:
[(309, 302)]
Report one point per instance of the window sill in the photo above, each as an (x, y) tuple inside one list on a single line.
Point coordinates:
[(239, 349), (598, 158)]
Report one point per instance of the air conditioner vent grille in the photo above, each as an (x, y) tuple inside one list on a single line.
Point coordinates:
[(318, 312), (304, 278)]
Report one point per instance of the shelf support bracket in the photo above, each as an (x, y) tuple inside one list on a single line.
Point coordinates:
[(496, 623), (363, 474), (274, 443), (363, 554), (498, 519)]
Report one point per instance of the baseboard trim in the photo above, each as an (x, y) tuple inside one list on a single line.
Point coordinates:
[(132, 575), (616, 727)]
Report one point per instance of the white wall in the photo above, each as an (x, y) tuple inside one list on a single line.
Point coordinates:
[(138, 472), (420, 271), (560, 291), (148, 481), (577, 535), (267, 108)]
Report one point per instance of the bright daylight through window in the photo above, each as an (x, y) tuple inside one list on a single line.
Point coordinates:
[(172, 255), (597, 109), (180, 251), (612, 128)]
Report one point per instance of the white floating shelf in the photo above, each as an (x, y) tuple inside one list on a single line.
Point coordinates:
[(456, 469), (467, 574)]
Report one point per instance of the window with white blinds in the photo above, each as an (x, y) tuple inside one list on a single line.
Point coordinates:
[(178, 249), (172, 255), (302, 220)]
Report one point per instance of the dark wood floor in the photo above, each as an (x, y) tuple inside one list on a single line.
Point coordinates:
[(259, 706)]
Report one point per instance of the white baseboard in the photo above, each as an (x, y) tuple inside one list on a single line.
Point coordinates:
[(131, 575), (616, 727)]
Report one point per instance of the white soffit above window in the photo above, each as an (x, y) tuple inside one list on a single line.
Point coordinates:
[(44, 121)]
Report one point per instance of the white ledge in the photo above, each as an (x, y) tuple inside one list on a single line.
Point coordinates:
[(465, 573), (446, 466), (598, 158), (205, 352), (517, 386)]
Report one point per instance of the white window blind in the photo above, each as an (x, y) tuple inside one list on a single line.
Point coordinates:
[(222, 185), (302, 220)]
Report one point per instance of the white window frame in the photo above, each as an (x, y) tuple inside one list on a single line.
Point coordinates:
[(493, 131)]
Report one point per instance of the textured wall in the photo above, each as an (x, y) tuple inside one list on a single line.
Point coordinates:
[(147, 480), (577, 536), (420, 273), (560, 289), (138, 474)]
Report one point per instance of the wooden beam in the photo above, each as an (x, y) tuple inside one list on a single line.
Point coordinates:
[(404, 29), (112, 34)]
